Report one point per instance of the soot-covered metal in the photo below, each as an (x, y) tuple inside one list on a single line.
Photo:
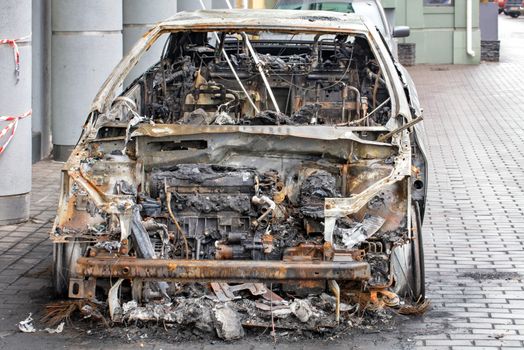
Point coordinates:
[(192, 175)]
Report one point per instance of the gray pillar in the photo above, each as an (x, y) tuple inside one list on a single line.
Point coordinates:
[(86, 46), (15, 99), (41, 100), (192, 5), (139, 17)]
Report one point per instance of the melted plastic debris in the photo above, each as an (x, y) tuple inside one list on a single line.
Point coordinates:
[(196, 313), (301, 309), (223, 118), (191, 312), (197, 117), (360, 231), (329, 302), (227, 322), (91, 312), (314, 190), (207, 315), (56, 330), (306, 114), (271, 118), (26, 325)]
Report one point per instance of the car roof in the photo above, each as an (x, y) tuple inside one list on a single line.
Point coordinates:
[(268, 18)]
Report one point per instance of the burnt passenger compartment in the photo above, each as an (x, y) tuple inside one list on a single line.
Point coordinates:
[(326, 79)]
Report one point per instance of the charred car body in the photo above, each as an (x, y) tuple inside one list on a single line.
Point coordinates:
[(264, 146)]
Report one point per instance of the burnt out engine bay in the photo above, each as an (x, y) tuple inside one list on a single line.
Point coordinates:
[(293, 180)]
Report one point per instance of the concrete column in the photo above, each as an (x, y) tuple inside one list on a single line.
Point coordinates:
[(139, 17), (193, 5), (86, 46), (15, 99), (41, 100)]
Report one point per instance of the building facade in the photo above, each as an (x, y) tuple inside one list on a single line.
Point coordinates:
[(439, 29)]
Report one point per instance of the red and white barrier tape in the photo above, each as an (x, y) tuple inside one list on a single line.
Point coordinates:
[(11, 127), (16, 51)]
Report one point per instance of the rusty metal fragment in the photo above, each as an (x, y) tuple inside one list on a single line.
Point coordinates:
[(225, 292), (221, 270)]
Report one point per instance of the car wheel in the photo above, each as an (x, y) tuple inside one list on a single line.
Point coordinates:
[(64, 265), (515, 15), (500, 11), (408, 263)]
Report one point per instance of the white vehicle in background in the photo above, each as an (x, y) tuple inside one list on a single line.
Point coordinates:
[(372, 9)]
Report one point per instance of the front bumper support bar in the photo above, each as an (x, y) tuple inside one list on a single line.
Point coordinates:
[(221, 270)]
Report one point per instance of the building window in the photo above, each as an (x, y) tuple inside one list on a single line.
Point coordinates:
[(438, 2)]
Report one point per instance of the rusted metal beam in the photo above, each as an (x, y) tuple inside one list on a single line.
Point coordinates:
[(221, 270), (383, 138)]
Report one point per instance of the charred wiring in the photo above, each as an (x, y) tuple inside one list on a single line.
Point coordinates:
[(326, 80)]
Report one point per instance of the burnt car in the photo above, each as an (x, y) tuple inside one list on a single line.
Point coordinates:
[(265, 148)]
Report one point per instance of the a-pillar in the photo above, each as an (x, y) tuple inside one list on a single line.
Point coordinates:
[(86, 46), (139, 17), (15, 99)]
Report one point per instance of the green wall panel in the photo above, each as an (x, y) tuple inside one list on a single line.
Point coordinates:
[(389, 3), (414, 13), (439, 20), (433, 46), (439, 32), (460, 55)]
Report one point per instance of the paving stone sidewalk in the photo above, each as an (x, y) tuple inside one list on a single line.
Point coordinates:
[(474, 229)]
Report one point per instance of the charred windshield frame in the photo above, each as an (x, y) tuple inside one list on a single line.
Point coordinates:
[(378, 54)]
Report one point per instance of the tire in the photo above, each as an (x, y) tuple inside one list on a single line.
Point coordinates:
[(64, 265), (500, 11), (408, 264), (420, 273), (514, 15)]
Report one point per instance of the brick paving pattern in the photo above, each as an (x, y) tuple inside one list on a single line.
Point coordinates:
[(474, 229), (25, 253)]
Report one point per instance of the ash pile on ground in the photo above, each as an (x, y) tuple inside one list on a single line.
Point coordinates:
[(197, 316)]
